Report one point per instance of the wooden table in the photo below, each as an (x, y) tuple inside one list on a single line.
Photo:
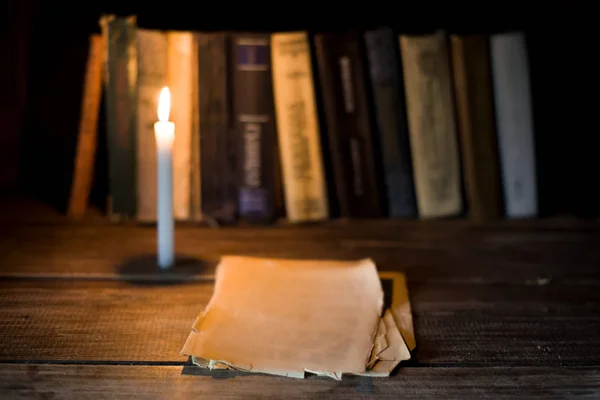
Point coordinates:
[(500, 310)]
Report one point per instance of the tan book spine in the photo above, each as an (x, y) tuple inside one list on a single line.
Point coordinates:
[(88, 130), (196, 183), (298, 128), (152, 77), (179, 79), (432, 125)]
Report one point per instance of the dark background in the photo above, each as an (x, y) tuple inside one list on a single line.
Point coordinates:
[(44, 47)]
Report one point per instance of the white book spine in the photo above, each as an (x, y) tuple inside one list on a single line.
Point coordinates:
[(512, 98)]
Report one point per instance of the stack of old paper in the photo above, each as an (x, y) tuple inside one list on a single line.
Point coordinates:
[(289, 317)]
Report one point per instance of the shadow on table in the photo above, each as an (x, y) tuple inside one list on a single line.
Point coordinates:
[(144, 271), (215, 373), (360, 384)]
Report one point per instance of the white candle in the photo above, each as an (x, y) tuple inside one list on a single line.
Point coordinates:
[(165, 134)]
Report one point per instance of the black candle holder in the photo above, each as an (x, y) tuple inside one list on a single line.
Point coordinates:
[(144, 270)]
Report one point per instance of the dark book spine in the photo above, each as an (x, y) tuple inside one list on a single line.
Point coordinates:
[(328, 154), (255, 127), (391, 123), (476, 125), (349, 123), (121, 92), (217, 146)]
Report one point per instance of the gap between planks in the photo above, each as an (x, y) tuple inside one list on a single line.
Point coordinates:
[(100, 382), (210, 278)]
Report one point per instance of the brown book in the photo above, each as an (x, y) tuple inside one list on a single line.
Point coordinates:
[(216, 143), (195, 177), (476, 125), (341, 66), (121, 92), (255, 127), (85, 152)]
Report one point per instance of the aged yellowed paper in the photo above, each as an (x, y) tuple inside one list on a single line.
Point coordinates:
[(289, 317)]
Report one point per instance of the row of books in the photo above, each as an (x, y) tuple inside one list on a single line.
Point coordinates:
[(311, 126)]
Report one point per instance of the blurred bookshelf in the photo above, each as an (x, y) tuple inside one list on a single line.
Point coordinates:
[(43, 39)]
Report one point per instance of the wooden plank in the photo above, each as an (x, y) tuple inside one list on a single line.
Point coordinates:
[(542, 324), (456, 324), (69, 320), (141, 382), (450, 252)]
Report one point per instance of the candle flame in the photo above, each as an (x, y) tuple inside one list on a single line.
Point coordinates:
[(164, 104)]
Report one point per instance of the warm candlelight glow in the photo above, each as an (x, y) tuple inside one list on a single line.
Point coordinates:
[(164, 104)]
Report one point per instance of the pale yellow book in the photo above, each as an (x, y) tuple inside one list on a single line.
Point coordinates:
[(152, 77), (298, 128), (179, 78), (432, 125)]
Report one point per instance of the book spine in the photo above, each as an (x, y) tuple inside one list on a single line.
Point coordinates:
[(88, 131), (179, 77), (432, 125), (514, 122), (255, 126), (298, 128), (476, 126), (217, 144), (121, 90), (390, 115), (338, 160), (195, 172), (152, 53), (349, 123)]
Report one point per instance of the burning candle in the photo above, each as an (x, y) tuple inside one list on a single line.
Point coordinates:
[(165, 134)]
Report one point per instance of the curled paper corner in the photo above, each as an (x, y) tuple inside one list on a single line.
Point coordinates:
[(400, 307), (389, 348)]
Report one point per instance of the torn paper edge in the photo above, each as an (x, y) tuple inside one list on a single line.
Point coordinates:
[(399, 314), (388, 351), (392, 353)]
